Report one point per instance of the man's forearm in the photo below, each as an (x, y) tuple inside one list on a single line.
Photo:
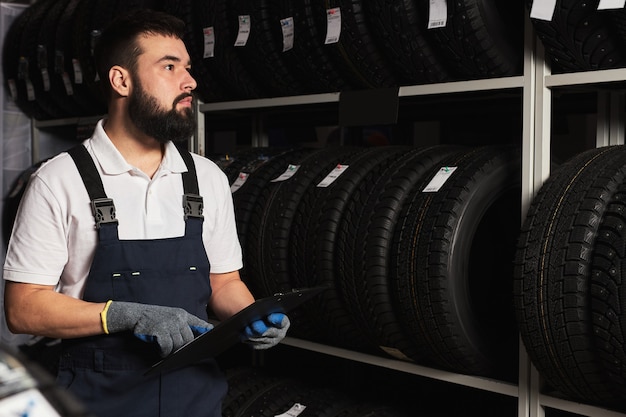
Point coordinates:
[(229, 294), (41, 311)]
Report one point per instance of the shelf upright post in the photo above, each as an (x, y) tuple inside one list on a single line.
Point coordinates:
[(35, 139), (610, 118), (259, 134), (537, 108), (197, 143)]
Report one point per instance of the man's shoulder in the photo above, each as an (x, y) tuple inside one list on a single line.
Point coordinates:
[(58, 162), (204, 163), (59, 171)]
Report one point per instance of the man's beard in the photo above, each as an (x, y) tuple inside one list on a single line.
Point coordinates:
[(162, 125)]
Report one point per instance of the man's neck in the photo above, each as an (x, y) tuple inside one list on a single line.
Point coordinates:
[(138, 150)]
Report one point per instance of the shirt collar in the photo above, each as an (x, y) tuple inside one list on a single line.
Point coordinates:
[(113, 163)]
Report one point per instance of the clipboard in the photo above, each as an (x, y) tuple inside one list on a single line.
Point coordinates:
[(228, 332)]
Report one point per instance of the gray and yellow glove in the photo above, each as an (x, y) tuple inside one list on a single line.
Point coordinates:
[(168, 327), (263, 334)]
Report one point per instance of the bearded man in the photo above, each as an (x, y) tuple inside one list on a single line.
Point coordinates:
[(112, 241)]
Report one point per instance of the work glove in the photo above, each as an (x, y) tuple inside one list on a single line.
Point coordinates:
[(168, 327), (263, 334)]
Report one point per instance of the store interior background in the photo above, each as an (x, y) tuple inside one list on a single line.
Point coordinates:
[(421, 121)]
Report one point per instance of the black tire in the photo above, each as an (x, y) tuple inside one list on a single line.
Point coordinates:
[(64, 61), (278, 400), (482, 38), (580, 38), (308, 60), (226, 64), (41, 54), (552, 272), (268, 243), (248, 160), (372, 409), (90, 19), (314, 250), (364, 244), (608, 292), (244, 386), (255, 263), (209, 87), (453, 266), (262, 53), (403, 41), (17, 70), (260, 171), (356, 55), (10, 56)]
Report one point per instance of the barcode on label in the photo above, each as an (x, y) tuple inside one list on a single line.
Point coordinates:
[(436, 24)]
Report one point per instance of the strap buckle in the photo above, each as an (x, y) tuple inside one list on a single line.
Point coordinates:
[(193, 205), (103, 211)]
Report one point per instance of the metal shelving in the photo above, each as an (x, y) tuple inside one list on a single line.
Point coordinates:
[(535, 86)]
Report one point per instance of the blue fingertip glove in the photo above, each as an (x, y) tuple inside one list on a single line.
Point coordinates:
[(268, 332)]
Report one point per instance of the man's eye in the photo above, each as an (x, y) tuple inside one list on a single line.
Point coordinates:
[(169, 67)]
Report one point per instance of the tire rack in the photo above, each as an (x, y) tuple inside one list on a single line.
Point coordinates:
[(536, 85)]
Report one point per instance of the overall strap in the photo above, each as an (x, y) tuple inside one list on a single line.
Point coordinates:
[(88, 172), (102, 207), (190, 178), (192, 200)]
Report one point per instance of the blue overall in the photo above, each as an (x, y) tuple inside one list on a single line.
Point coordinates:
[(107, 372)]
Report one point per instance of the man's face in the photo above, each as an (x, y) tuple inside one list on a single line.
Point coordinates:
[(160, 102)]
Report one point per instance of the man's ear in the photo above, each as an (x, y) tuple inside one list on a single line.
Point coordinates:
[(119, 78)]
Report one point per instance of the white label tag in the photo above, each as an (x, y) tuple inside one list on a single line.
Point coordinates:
[(294, 411), (333, 30), (439, 179), (209, 42), (543, 9), (78, 72), (45, 78), (69, 90), (396, 353), (30, 90), (239, 182), (244, 30), (333, 175), (288, 32), (13, 89), (611, 4), (437, 14), (289, 172)]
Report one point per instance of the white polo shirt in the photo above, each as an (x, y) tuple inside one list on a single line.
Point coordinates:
[(54, 237)]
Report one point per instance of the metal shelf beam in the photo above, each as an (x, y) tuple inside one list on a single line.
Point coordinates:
[(485, 384)]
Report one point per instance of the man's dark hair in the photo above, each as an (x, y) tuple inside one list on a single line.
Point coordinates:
[(118, 43)]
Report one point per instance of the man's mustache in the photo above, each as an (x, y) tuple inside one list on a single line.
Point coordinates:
[(182, 97)]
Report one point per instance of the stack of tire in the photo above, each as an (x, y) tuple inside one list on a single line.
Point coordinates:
[(579, 37), (414, 245), (49, 71), (253, 392), (568, 291)]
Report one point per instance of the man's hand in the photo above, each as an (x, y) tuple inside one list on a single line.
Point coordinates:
[(263, 334), (169, 327)]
